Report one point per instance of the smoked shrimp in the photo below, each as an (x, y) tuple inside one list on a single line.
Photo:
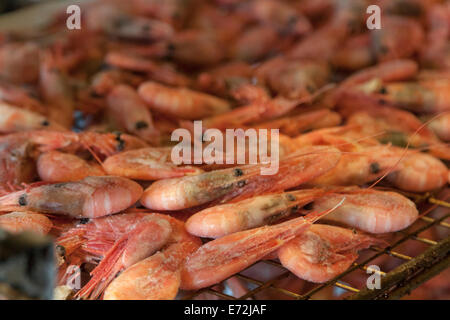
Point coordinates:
[(147, 164), (128, 109), (323, 252), (181, 103), (441, 126), (138, 242), (16, 222), (14, 119), (119, 241), (419, 172), (158, 276), (55, 166), (91, 197), (239, 183), (369, 210), (221, 220)]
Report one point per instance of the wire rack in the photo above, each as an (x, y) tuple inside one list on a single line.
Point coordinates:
[(409, 273)]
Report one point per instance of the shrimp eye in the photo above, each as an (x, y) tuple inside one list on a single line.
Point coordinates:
[(141, 125), (23, 200), (84, 220), (383, 90), (375, 167), (290, 197), (238, 172), (45, 123)]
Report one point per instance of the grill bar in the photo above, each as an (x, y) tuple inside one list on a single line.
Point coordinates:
[(427, 264)]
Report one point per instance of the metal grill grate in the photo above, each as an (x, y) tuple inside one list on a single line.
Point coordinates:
[(411, 273)]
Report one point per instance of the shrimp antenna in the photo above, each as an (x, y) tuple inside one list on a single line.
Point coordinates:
[(403, 155)]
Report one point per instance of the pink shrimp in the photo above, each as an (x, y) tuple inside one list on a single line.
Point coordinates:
[(128, 109), (361, 167), (369, 210), (355, 54), (391, 125), (91, 197), (433, 53), (428, 96), (393, 70), (14, 119), (258, 110), (223, 257), (419, 172), (255, 43), (322, 252), (391, 42), (25, 221), (104, 81), (221, 220), (18, 150), (55, 166), (218, 80), (158, 276), (119, 241), (182, 102), (140, 241), (239, 183), (298, 79), (441, 126), (296, 124), (146, 164)]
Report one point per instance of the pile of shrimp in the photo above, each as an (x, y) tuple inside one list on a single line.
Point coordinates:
[(87, 115)]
